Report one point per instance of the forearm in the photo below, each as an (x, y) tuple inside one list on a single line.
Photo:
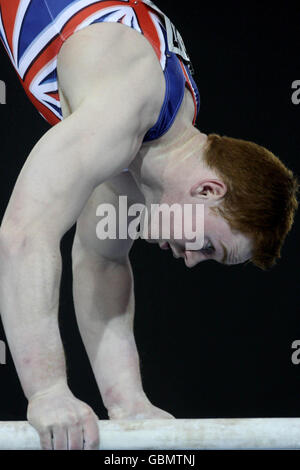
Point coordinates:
[(29, 296), (104, 305)]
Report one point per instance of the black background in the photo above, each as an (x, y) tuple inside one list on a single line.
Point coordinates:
[(214, 341)]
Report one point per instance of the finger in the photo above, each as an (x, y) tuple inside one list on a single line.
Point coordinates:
[(46, 440), (75, 438), (60, 438), (91, 433)]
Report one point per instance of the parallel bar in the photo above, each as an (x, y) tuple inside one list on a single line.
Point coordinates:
[(169, 434)]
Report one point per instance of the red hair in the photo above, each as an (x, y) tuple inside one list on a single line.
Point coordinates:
[(261, 198)]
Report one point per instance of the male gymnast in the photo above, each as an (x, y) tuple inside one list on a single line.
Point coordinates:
[(114, 80)]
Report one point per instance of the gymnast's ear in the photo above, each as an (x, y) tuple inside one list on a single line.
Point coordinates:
[(209, 189)]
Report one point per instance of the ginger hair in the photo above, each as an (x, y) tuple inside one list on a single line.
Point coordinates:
[(261, 197)]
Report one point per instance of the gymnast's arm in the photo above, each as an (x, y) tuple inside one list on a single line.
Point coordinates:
[(94, 143), (103, 290)]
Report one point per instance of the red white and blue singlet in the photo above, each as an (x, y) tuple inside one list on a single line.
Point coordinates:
[(33, 31)]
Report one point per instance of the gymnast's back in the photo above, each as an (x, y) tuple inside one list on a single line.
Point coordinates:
[(52, 43)]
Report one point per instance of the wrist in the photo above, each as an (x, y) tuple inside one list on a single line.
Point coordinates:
[(119, 404), (59, 386), (127, 410)]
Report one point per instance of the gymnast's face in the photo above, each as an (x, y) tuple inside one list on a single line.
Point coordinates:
[(186, 181), (221, 243)]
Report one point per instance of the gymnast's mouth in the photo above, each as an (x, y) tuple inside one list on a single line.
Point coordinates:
[(186, 255), (176, 253), (168, 246), (164, 246)]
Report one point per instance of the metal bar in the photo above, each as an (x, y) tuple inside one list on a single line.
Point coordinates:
[(169, 434)]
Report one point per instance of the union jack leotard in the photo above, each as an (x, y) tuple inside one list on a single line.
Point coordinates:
[(33, 31)]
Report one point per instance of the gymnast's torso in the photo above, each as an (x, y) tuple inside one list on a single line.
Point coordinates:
[(149, 149), (33, 33)]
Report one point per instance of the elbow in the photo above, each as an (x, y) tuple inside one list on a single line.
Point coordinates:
[(16, 241), (12, 240)]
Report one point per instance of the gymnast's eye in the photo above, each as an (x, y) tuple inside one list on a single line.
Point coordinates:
[(208, 249)]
